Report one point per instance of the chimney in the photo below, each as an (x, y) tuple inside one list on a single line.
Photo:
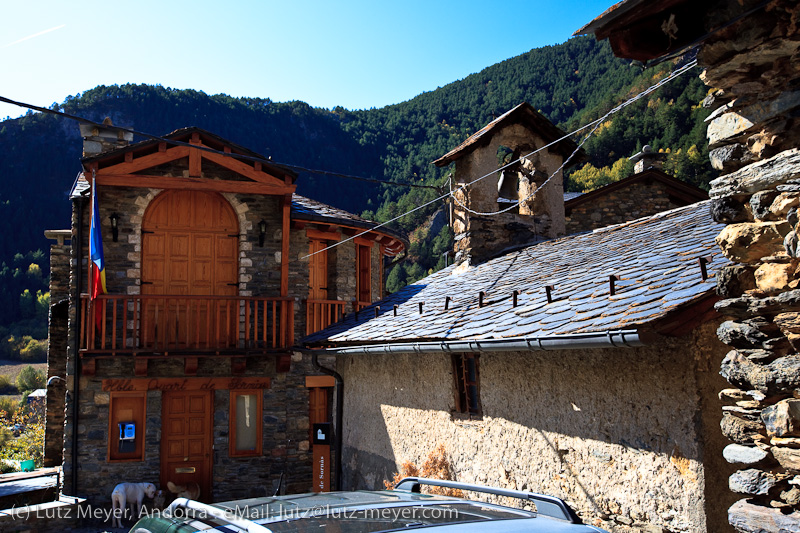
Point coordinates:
[(495, 150), (647, 159), (97, 140)]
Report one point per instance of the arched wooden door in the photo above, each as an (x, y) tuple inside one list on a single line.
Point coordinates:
[(190, 246)]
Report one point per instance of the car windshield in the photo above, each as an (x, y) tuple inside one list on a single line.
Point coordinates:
[(370, 520)]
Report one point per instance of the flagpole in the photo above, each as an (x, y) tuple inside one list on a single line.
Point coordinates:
[(90, 264)]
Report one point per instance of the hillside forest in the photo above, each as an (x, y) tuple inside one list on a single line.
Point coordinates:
[(572, 84)]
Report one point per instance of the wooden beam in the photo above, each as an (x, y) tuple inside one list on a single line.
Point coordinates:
[(287, 206), (323, 235), (243, 168), (320, 381), (298, 224), (195, 159), (364, 240), (199, 184), (147, 161)]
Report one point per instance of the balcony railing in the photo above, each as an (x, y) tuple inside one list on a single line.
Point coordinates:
[(131, 324), (322, 313)]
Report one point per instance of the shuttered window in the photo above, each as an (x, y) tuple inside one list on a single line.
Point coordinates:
[(465, 372)]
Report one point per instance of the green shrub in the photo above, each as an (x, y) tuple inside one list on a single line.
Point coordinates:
[(6, 386), (9, 406), (30, 379)]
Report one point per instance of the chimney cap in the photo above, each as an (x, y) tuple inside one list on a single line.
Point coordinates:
[(647, 152)]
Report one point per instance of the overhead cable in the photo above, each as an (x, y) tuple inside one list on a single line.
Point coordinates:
[(594, 125), (208, 149)]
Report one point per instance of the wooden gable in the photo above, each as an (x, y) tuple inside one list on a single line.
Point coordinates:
[(197, 166)]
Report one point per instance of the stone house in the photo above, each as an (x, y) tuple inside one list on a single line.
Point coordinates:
[(581, 366), (748, 52), (641, 194), (182, 371)]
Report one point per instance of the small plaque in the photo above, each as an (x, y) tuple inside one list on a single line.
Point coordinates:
[(323, 434)]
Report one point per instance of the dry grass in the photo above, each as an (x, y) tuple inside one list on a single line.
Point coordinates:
[(13, 368), (436, 466)]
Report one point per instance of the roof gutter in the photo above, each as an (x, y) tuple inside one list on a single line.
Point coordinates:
[(630, 338)]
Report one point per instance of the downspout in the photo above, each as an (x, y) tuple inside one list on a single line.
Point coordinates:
[(76, 386), (339, 389)]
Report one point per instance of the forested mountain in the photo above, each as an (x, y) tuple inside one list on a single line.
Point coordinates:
[(571, 83)]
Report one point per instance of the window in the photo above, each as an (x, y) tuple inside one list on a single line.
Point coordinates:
[(465, 372), (245, 423), (364, 274), (126, 426)]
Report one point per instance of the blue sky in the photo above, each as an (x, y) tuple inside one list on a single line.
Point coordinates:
[(357, 54)]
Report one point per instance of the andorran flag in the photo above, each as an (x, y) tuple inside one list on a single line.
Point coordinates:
[(98, 266)]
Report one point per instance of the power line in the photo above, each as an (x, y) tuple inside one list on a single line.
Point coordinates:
[(594, 125), (211, 150)]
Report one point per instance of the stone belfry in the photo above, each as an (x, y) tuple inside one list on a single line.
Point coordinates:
[(515, 180)]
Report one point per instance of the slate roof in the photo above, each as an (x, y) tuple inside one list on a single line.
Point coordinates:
[(525, 114), (656, 259), (307, 209)]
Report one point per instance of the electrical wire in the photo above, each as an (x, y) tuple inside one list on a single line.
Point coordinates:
[(594, 125), (688, 66), (211, 150)]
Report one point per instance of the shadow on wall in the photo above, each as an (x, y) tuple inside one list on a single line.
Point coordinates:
[(593, 426)]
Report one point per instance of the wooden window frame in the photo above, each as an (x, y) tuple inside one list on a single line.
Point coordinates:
[(368, 245), (114, 456), (258, 450), (464, 402)]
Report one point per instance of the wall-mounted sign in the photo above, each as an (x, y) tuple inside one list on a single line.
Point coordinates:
[(322, 434)]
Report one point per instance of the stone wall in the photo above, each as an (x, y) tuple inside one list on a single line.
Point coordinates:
[(57, 353), (629, 437), (629, 203), (481, 237), (286, 448), (753, 71), (285, 411)]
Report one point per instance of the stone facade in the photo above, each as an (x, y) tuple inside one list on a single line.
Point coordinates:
[(286, 460), (753, 72), (628, 436), (57, 350), (479, 237), (637, 196)]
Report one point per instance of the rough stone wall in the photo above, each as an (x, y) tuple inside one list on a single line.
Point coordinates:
[(636, 201), (753, 71), (480, 237), (286, 448), (629, 437), (57, 353)]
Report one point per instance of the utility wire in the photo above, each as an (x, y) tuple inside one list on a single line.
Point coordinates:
[(688, 66), (594, 125), (211, 150)]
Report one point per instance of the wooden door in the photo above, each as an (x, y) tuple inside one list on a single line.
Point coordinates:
[(190, 247), (318, 270), (317, 406), (186, 439)]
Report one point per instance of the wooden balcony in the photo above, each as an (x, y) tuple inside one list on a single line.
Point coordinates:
[(322, 313), (197, 325)]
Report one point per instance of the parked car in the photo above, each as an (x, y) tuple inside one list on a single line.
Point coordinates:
[(402, 508)]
